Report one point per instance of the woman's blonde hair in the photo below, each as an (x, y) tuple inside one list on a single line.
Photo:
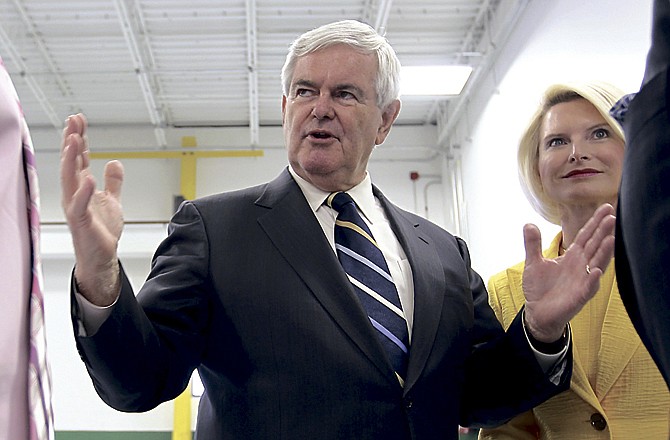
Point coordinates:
[(602, 95)]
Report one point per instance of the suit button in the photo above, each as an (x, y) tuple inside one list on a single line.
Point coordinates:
[(408, 403), (598, 422)]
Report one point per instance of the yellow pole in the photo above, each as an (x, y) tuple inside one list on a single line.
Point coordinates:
[(181, 425), (188, 176)]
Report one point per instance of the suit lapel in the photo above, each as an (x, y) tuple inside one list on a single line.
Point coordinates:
[(428, 279), (294, 230)]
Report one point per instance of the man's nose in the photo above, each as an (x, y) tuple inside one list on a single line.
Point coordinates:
[(323, 107)]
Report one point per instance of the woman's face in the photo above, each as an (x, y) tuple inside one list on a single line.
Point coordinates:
[(580, 157)]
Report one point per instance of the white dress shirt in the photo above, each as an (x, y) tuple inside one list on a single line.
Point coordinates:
[(373, 214)]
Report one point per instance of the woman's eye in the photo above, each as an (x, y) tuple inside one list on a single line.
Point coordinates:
[(601, 133), (555, 142)]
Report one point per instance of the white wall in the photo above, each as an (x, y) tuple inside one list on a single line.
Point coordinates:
[(555, 41)]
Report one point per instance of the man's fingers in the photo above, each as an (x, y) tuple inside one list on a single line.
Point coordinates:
[(70, 170), (81, 198), (69, 128), (599, 226), (77, 184), (596, 240), (603, 255), (75, 128), (77, 123), (114, 178), (532, 241), (74, 124), (589, 229)]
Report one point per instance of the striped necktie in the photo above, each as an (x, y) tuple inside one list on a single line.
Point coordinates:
[(367, 270)]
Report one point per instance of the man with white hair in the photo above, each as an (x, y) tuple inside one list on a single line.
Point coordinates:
[(312, 306)]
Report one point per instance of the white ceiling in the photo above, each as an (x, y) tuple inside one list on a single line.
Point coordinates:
[(211, 63)]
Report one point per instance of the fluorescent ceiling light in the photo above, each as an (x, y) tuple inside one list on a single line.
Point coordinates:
[(433, 80)]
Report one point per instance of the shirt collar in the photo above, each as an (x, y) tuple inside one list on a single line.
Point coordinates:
[(361, 193)]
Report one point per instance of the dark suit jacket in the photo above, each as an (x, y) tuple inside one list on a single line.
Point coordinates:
[(643, 218), (247, 290)]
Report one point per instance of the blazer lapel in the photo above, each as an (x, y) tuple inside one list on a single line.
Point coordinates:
[(580, 381), (428, 278), (294, 230), (619, 341), (515, 277)]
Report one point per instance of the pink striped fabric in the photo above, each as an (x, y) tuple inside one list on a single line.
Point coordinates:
[(39, 374)]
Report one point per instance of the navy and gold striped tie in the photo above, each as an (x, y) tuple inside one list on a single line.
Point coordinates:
[(366, 267)]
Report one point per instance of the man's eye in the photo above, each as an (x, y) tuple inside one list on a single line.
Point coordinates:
[(303, 92), (343, 94)]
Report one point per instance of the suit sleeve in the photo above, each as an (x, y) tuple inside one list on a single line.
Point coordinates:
[(519, 383), (642, 250), (147, 349), (523, 426)]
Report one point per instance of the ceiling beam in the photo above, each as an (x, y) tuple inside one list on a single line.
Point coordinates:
[(12, 53), (496, 42), (41, 46), (467, 47), (377, 15), (252, 72), (142, 69), (481, 21), (382, 16)]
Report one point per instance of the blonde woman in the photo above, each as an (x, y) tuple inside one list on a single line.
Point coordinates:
[(570, 161)]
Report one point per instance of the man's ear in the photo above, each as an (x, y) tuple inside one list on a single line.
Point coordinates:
[(283, 109), (389, 115)]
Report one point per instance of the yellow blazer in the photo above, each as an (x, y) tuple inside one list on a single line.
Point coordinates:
[(629, 398)]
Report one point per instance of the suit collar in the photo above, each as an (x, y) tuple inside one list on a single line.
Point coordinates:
[(315, 197), (361, 193)]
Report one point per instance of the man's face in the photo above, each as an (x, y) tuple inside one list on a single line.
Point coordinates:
[(331, 119)]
